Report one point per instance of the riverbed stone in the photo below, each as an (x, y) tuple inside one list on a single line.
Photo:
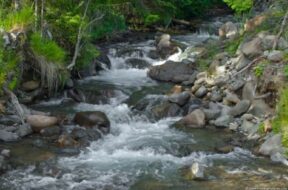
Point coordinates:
[(30, 85), (195, 119), (137, 63), (252, 48), (272, 145), (197, 171), (39, 122), (275, 56), (202, 91), (211, 114), (228, 30), (92, 119), (24, 130), (50, 131), (223, 121), (167, 71), (231, 98), (180, 99), (8, 136), (240, 108)]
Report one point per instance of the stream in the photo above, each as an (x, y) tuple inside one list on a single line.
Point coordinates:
[(141, 153)]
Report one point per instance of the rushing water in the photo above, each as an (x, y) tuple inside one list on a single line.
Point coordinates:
[(141, 154)]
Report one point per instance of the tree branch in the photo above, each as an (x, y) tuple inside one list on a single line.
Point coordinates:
[(275, 44)]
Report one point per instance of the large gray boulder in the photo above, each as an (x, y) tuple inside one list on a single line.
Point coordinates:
[(223, 121), (180, 99), (170, 71), (39, 122), (252, 48), (240, 108), (272, 145), (195, 119)]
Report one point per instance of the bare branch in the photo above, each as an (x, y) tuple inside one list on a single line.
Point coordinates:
[(275, 44)]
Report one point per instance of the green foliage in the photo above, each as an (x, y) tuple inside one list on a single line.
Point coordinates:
[(17, 19), (286, 70), (47, 49), (232, 46), (108, 25), (151, 19), (280, 123), (259, 69), (240, 5), (9, 61), (87, 55), (261, 128)]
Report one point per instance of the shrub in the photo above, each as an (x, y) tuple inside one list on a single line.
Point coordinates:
[(17, 20), (240, 5), (47, 49)]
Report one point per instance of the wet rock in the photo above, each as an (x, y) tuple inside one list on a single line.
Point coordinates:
[(24, 130), (191, 80), (169, 70), (252, 48), (195, 119), (8, 136), (166, 109), (240, 108), (39, 122), (5, 153), (202, 91), (86, 135), (164, 46), (137, 63), (279, 158), (272, 145), (223, 121), (224, 149), (50, 131), (66, 140), (197, 171), (180, 99), (93, 119), (275, 56), (30, 85)]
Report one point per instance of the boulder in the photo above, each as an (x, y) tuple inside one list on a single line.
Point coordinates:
[(164, 46), (248, 91), (252, 24), (7, 136), (137, 63), (240, 108), (211, 114), (272, 145), (30, 85), (228, 30), (39, 122), (170, 70), (165, 109), (201, 92), (268, 41), (275, 56), (252, 48), (197, 171), (50, 131), (241, 62), (223, 121), (195, 119), (231, 98), (180, 99), (93, 119), (24, 130)]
